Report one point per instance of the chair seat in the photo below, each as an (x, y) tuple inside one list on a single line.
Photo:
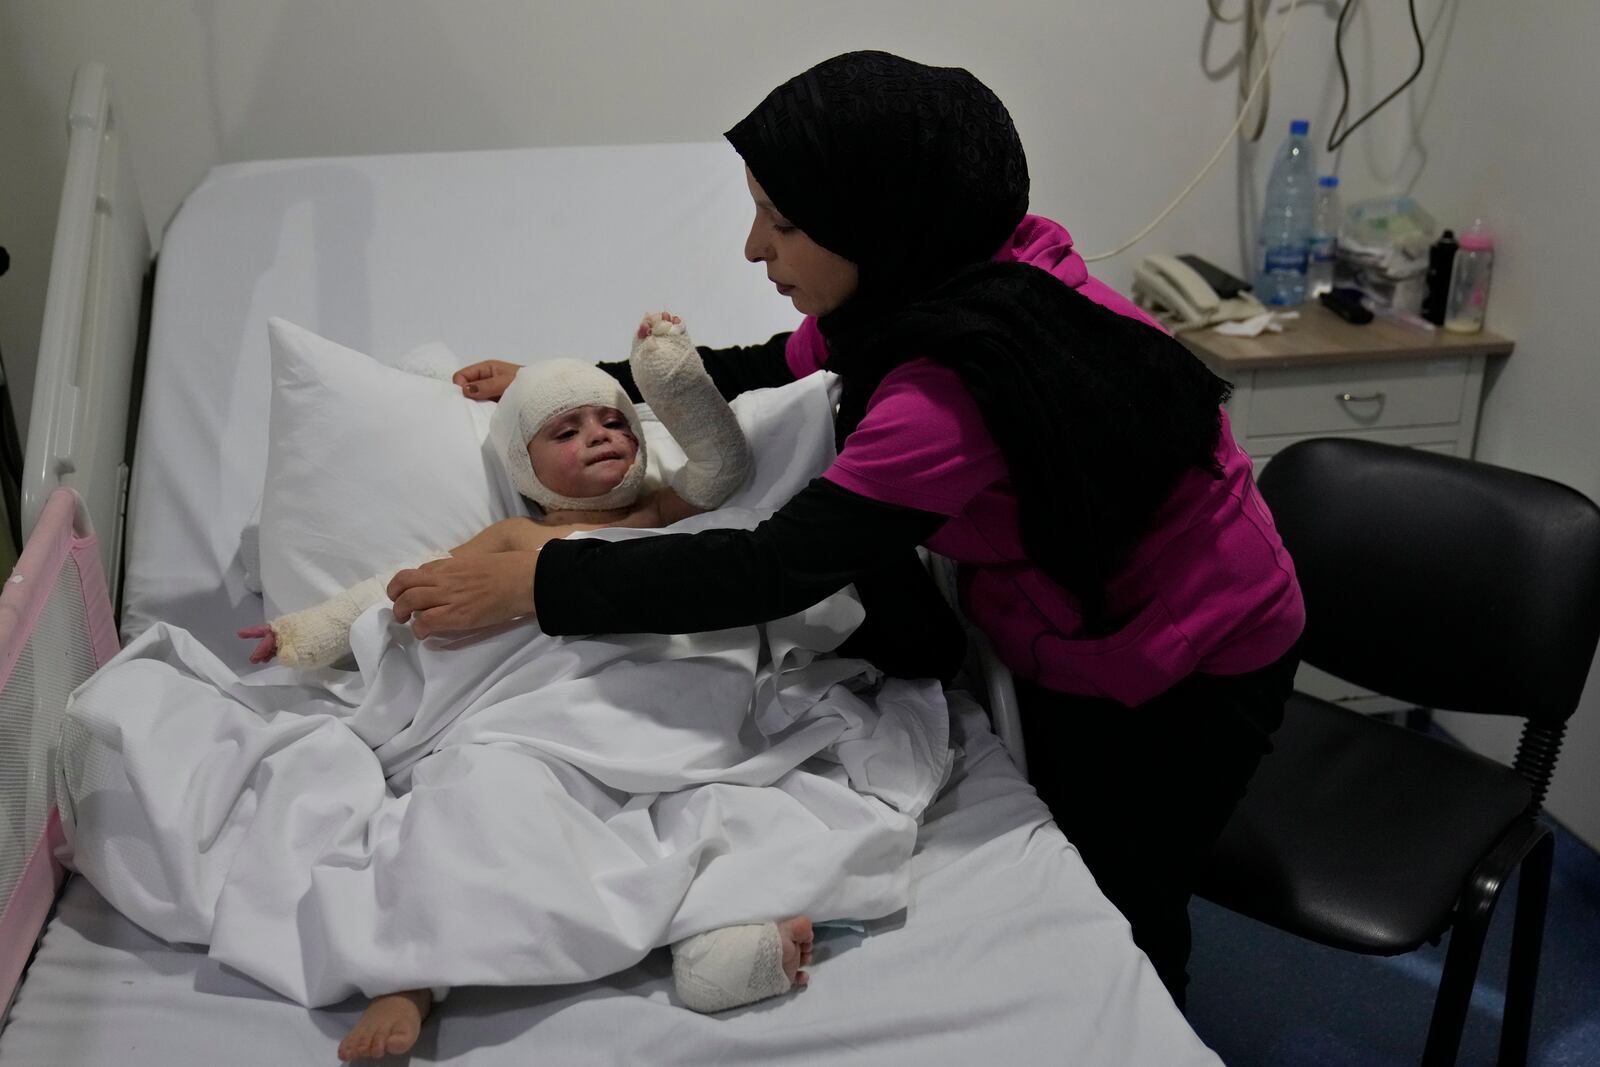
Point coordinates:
[(1370, 832)]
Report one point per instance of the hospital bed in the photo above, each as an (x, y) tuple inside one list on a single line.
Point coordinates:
[(1008, 952)]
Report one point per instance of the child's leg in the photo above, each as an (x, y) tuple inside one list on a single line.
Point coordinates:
[(738, 965)]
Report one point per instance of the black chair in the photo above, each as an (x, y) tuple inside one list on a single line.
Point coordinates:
[(1451, 585)]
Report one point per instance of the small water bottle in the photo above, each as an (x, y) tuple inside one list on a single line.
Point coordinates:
[(1469, 279), (1325, 219), (1286, 221)]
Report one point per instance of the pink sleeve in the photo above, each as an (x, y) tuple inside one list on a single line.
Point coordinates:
[(922, 444), (805, 350)]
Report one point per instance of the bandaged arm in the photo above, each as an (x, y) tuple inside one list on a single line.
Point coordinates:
[(320, 635), (673, 381)]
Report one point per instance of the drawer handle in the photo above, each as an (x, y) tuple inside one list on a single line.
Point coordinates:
[(1363, 398)]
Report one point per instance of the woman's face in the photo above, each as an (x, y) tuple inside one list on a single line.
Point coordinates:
[(817, 280), (583, 452)]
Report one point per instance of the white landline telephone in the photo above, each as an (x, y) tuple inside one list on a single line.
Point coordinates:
[(1176, 294)]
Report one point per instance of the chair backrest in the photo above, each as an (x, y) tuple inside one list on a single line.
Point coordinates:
[(1440, 581)]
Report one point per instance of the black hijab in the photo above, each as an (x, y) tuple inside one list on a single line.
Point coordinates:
[(916, 174)]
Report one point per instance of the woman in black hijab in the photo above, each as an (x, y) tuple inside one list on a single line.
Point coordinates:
[(1001, 407)]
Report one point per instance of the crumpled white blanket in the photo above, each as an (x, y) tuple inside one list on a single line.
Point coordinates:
[(507, 810)]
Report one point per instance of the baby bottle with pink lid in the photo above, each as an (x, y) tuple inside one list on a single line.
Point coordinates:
[(1469, 280)]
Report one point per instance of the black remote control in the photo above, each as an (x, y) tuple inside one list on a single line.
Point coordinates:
[(1346, 303)]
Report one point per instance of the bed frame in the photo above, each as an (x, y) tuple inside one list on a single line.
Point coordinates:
[(57, 624), (79, 429)]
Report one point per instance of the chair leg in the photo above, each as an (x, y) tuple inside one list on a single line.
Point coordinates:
[(1467, 935), (1527, 936), (1455, 989)]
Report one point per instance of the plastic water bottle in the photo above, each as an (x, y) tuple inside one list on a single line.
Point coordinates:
[(1325, 219), (1286, 221)]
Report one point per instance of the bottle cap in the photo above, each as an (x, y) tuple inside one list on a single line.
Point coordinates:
[(1299, 127), (1329, 181), (1477, 237)]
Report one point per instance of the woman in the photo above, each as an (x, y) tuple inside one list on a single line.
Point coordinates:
[(1005, 409)]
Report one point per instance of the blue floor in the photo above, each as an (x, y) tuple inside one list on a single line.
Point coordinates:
[(1259, 997)]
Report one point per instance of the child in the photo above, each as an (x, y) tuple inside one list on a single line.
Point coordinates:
[(571, 442)]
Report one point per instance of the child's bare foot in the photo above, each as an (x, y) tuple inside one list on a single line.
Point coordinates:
[(388, 1027), (795, 935)]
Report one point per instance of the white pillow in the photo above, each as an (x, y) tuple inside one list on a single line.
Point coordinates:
[(367, 467)]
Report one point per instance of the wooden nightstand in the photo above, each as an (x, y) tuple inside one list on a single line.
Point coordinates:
[(1324, 377)]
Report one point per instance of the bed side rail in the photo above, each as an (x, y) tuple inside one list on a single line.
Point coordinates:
[(991, 678), (56, 629), (78, 426)]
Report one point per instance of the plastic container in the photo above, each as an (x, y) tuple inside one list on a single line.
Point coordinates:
[(1441, 260), (1469, 280), (1325, 219), (1286, 220)]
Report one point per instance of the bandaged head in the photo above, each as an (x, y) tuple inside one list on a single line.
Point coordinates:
[(539, 393)]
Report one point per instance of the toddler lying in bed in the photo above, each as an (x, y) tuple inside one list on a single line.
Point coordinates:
[(571, 442)]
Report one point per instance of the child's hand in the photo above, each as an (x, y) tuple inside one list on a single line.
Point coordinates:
[(659, 324), (487, 380), (268, 646)]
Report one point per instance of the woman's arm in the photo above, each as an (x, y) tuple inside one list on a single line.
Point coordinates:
[(734, 370), (823, 539)]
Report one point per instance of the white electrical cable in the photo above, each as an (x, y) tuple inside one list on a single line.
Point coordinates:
[(1244, 111), (1253, 13)]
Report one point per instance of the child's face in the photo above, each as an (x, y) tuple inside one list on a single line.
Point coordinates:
[(816, 280), (583, 452)]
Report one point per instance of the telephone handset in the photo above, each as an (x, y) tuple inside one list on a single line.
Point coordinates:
[(1182, 298), (1167, 283)]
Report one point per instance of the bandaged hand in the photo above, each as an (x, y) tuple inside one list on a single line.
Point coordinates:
[(318, 636), (464, 592), (674, 382), (486, 380)]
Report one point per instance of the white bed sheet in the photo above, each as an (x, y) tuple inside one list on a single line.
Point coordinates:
[(1008, 953), (1007, 956)]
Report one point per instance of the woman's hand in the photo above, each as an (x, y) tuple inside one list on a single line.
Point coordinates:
[(267, 648), (487, 380), (464, 592)]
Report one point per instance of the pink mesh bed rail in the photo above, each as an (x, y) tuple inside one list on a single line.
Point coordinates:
[(56, 629)]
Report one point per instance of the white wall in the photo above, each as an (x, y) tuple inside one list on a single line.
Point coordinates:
[(1118, 103), (207, 81), (1514, 135)]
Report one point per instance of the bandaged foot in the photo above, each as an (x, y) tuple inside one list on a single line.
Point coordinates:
[(675, 384), (738, 965), (389, 1027)]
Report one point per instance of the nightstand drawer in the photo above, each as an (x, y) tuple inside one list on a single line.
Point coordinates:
[(1330, 399)]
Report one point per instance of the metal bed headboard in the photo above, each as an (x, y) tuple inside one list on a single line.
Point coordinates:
[(79, 425)]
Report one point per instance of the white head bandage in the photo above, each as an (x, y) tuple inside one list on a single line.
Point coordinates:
[(539, 393)]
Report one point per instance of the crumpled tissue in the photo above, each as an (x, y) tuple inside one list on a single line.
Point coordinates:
[(1266, 322)]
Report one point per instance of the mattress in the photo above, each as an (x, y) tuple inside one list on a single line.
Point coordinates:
[(1008, 951)]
